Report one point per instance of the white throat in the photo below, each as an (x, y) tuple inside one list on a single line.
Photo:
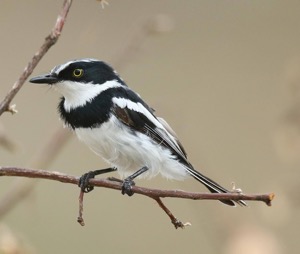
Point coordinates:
[(77, 94)]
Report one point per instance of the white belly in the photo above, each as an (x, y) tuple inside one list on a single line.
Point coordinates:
[(129, 152)]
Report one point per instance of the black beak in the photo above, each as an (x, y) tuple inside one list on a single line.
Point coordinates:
[(45, 79)]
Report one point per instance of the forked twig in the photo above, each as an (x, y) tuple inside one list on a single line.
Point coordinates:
[(50, 40), (155, 194)]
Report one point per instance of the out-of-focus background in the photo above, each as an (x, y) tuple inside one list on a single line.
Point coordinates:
[(226, 76)]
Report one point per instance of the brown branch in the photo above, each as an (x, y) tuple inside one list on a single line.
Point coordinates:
[(21, 188), (155, 194), (50, 40), (177, 223)]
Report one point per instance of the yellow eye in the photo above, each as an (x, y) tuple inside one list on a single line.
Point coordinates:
[(78, 73)]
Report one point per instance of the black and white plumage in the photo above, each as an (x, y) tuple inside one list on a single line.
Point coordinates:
[(118, 125)]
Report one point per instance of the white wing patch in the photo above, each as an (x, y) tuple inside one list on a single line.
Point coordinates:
[(138, 107), (160, 130)]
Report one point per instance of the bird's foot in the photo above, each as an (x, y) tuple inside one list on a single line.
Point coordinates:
[(127, 186), (84, 182)]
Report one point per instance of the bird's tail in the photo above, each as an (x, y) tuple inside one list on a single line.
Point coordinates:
[(213, 187)]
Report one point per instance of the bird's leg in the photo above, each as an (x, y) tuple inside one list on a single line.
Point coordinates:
[(128, 182), (84, 179)]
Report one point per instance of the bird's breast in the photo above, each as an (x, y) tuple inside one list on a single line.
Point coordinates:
[(129, 151)]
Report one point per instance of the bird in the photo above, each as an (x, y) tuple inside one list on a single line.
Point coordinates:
[(119, 126)]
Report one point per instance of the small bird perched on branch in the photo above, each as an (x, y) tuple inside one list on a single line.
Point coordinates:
[(119, 126)]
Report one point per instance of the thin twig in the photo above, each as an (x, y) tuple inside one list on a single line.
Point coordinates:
[(155, 194), (50, 40), (80, 219), (177, 223), (21, 188)]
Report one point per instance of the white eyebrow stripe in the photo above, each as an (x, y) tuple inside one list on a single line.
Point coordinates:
[(57, 69)]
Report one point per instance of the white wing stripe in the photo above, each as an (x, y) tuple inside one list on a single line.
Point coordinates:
[(138, 107), (160, 129)]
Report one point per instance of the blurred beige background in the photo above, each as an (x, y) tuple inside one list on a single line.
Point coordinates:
[(226, 76)]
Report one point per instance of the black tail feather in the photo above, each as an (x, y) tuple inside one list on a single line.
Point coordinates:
[(213, 187)]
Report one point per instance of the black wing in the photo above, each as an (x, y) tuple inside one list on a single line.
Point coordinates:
[(139, 118)]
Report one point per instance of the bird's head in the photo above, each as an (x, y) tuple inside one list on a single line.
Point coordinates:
[(84, 71), (81, 80)]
